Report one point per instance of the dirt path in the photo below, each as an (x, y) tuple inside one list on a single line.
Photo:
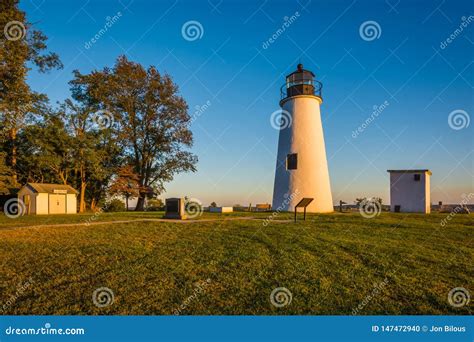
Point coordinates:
[(93, 223)]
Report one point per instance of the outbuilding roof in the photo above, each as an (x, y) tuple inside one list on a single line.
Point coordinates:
[(51, 188), (412, 171)]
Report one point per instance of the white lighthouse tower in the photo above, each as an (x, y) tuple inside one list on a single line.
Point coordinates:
[(301, 168)]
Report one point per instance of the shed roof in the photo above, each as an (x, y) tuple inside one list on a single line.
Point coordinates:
[(51, 188), (412, 171)]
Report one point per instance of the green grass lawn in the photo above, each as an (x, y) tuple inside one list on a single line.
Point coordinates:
[(331, 264)]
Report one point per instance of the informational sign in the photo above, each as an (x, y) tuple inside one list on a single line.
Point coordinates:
[(303, 204)]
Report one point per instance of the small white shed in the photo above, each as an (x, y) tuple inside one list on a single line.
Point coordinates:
[(410, 191), (47, 199)]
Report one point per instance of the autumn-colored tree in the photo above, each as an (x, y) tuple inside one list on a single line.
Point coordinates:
[(126, 183), (20, 46), (149, 117)]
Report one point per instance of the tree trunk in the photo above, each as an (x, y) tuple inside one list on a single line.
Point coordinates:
[(140, 203), (82, 200), (126, 201), (93, 204), (13, 154)]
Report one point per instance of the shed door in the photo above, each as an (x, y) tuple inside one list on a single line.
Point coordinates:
[(57, 204)]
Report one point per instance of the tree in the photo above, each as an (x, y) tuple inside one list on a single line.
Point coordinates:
[(95, 157), (126, 184), (362, 202), (149, 118), (6, 177), (20, 44), (213, 204), (52, 149)]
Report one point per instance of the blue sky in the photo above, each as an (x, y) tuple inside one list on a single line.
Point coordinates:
[(228, 69)]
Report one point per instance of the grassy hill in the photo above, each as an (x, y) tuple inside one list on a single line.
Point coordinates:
[(331, 264)]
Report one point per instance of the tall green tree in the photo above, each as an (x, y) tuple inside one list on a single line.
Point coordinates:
[(95, 157), (52, 149), (6, 177), (149, 118), (21, 46)]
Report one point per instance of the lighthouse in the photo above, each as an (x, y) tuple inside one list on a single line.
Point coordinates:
[(301, 166)]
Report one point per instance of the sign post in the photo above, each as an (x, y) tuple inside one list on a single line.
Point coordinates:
[(303, 204)]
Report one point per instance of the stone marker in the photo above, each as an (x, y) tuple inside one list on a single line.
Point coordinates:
[(175, 209)]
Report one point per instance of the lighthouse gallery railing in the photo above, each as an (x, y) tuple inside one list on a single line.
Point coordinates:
[(316, 89)]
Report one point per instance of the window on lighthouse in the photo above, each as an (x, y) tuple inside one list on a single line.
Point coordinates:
[(292, 161)]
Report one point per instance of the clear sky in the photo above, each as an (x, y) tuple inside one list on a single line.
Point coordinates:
[(233, 70)]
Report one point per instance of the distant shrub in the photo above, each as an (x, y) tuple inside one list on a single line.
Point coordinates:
[(155, 205), (115, 205)]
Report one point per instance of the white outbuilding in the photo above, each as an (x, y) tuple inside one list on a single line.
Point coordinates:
[(410, 191), (46, 199)]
